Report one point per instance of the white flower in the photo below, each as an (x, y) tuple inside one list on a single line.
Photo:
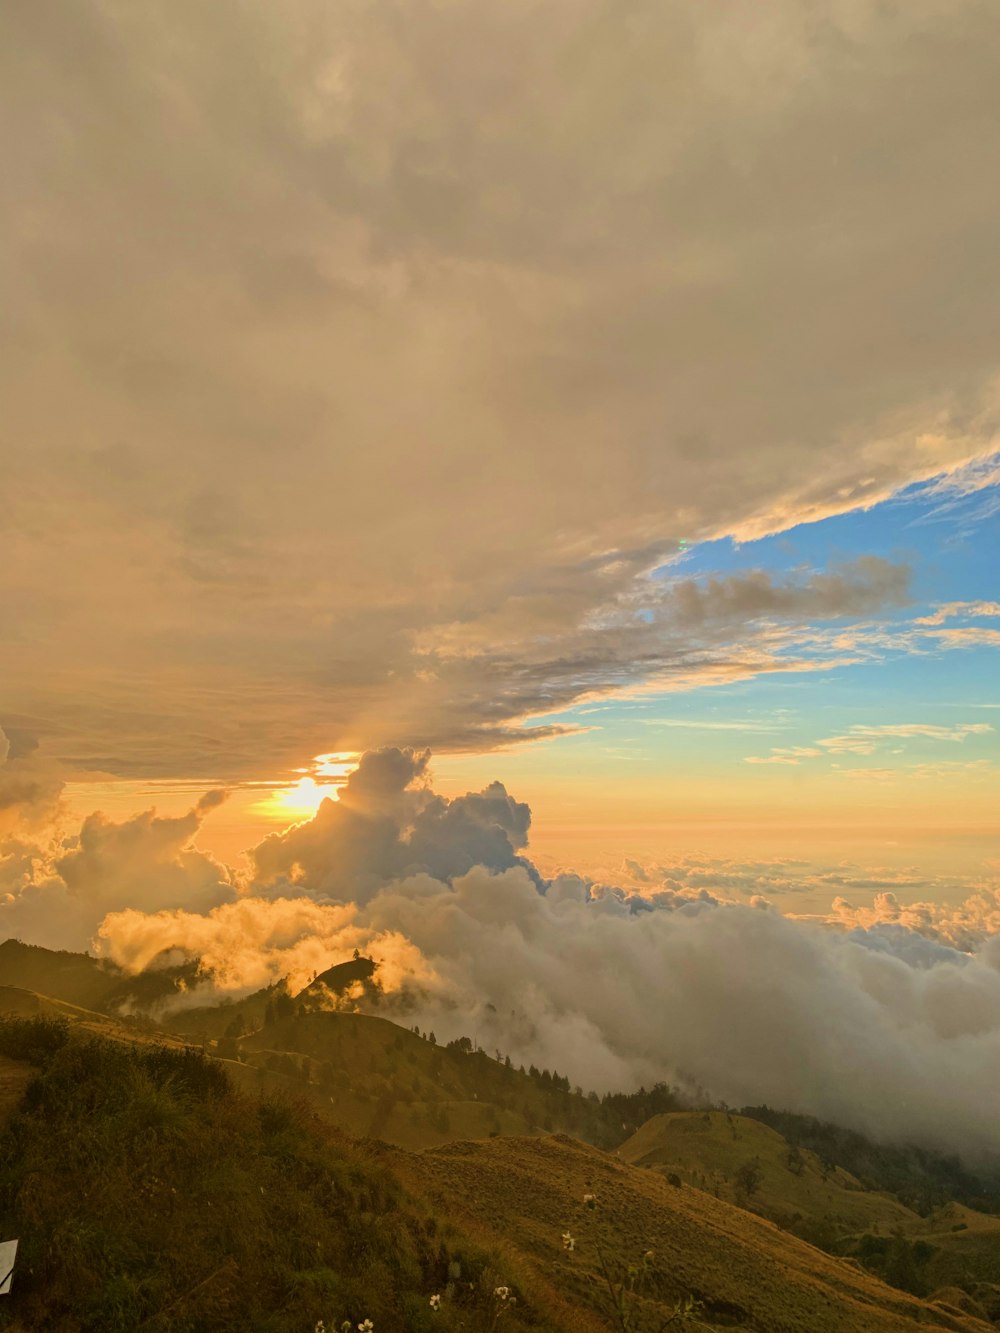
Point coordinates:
[(501, 1293), (320, 1327), (568, 1242), (435, 1302), (365, 1326)]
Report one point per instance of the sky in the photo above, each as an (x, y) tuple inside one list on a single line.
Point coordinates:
[(595, 398)]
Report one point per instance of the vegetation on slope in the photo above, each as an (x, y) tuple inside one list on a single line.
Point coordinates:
[(920, 1178), (374, 1079), (526, 1193), (147, 1194), (750, 1164)]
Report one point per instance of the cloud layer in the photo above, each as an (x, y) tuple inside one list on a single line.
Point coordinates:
[(359, 362), (884, 1017)]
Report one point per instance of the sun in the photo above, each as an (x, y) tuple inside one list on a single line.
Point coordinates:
[(304, 798)]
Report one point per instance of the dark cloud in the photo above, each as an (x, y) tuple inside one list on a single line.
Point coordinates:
[(866, 586), (30, 786), (387, 825)]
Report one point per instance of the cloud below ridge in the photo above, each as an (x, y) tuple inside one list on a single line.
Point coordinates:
[(886, 1018)]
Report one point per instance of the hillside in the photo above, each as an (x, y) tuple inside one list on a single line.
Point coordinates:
[(372, 1079), (74, 977), (919, 1177), (383, 1081), (149, 1193), (750, 1275), (370, 1076), (747, 1163)]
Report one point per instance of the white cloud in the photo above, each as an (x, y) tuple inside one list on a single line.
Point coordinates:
[(889, 1020), (58, 891), (864, 739), (893, 1034), (965, 610)]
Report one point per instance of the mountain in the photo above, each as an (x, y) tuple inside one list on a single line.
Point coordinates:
[(450, 1123), (752, 1165), (74, 977), (148, 1192)]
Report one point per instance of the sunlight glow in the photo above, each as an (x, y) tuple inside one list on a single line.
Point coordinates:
[(304, 798)]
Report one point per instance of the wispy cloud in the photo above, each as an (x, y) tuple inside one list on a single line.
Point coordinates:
[(694, 724), (951, 610), (925, 730), (864, 739), (785, 755)]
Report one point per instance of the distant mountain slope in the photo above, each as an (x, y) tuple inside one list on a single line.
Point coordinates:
[(74, 977), (376, 1079), (919, 1177), (749, 1164), (750, 1275)]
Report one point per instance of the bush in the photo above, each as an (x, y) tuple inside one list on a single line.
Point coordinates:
[(146, 1190), (35, 1040)]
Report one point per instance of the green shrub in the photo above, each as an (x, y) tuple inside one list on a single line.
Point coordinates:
[(147, 1193), (33, 1039)]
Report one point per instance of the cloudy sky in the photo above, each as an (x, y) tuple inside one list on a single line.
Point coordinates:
[(601, 395)]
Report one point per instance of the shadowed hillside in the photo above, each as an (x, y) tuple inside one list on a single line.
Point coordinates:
[(74, 977), (374, 1080), (148, 1193), (749, 1164), (383, 1081)]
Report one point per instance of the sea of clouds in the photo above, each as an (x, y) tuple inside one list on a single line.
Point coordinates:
[(884, 1017)]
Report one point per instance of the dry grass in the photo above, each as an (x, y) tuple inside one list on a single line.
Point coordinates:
[(709, 1149), (525, 1193)]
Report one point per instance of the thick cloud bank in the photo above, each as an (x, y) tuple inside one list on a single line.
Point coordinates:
[(884, 1017), (891, 1033), (361, 360)]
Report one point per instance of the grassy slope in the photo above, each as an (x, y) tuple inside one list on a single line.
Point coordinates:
[(147, 1193), (377, 1079), (372, 1078), (74, 977), (525, 1193), (707, 1149), (957, 1246)]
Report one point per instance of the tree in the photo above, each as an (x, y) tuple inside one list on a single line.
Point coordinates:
[(796, 1162), (749, 1177)]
